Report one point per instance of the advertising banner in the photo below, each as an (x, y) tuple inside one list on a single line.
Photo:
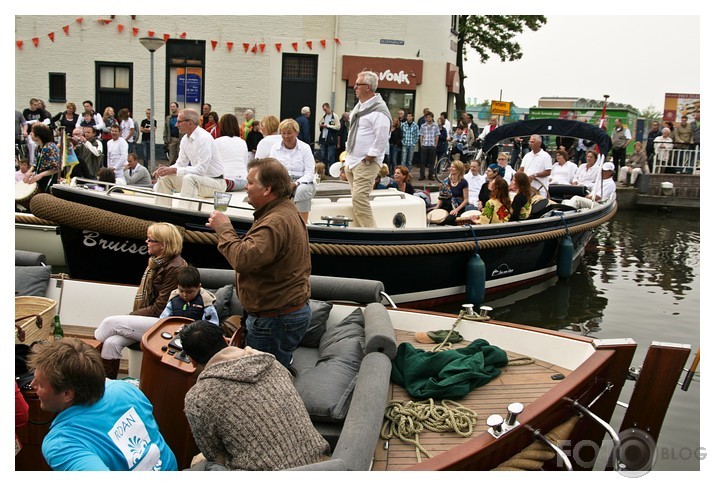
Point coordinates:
[(678, 105)]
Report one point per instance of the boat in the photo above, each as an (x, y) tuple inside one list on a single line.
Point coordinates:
[(421, 265), (553, 412)]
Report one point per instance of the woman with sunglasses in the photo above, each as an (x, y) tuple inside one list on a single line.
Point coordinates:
[(164, 244)]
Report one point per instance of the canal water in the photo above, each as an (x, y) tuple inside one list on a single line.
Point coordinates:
[(640, 278)]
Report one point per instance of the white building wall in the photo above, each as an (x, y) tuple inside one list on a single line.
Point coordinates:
[(233, 80)]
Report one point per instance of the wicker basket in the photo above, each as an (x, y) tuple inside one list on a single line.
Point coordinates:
[(33, 318)]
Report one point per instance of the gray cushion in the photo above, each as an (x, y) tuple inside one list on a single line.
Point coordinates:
[(227, 303), (319, 316), (327, 388), (353, 326), (32, 280)]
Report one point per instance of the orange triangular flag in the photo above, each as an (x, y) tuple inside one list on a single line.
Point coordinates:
[(254, 48), (51, 35), (246, 46), (262, 46), (79, 20), (107, 21), (135, 31), (213, 44), (166, 37), (183, 35), (19, 44), (322, 43), (35, 40), (278, 46), (120, 27), (229, 45), (295, 46), (310, 44), (337, 41), (151, 33), (66, 28)]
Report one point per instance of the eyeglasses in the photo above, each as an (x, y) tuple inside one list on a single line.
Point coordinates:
[(180, 121)]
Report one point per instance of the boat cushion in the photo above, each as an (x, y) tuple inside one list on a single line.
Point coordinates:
[(319, 316), (227, 303), (32, 280), (326, 388)]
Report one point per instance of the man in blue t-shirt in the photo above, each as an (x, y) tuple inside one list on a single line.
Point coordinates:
[(100, 425)]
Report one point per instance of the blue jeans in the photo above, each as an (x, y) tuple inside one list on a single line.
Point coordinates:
[(146, 152), (407, 152), (393, 161), (279, 335), (327, 151)]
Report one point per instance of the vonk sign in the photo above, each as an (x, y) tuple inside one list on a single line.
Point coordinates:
[(398, 78)]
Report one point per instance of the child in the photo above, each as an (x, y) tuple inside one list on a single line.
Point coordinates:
[(189, 299), (383, 180), (87, 120), (23, 166)]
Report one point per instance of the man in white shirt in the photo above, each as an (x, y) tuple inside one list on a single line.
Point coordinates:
[(368, 138), (475, 181), (117, 151), (537, 165), (603, 190), (492, 154), (205, 174)]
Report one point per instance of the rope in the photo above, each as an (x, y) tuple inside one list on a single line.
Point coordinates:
[(82, 216), (406, 421), (533, 457), (444, 345)]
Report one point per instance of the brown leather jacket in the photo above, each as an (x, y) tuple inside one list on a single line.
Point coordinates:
[(164, 283)]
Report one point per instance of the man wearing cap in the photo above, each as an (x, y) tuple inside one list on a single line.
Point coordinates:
[(602, 191)]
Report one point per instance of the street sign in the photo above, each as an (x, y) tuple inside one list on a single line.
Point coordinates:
[(501, 108)]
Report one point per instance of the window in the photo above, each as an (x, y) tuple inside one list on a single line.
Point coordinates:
[(455, 24), (395, 99), (300, 67), (58, 87), (114, 77)]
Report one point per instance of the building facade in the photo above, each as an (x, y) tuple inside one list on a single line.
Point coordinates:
[(270, 64)]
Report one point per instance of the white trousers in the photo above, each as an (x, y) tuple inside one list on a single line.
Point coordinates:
[(118, 332), (188, 186)]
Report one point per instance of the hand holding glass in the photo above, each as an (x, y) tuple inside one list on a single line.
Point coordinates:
[(221, 200)]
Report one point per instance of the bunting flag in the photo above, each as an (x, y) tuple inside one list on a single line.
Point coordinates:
[(229, 45), (35, 40), (295, 46), (322, 43), (19, 44), (337, 41), (246, 46), (254, 49), (213, 45), (79, 20), (151, 33), (66, 28), (309, 44), (120, 28), (182, 35), (278, 46), (135, 31), (107, 21), (262, 47), (51, 35), (167, 37)]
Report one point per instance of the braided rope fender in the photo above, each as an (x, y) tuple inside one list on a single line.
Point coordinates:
[(48, 209)]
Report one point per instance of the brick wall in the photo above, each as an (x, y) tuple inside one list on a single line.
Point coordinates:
[(684, 185)]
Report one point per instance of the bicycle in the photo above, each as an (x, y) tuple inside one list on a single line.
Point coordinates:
[(441, 167)]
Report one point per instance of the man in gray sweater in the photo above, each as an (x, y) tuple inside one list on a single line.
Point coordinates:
[(244, 412)]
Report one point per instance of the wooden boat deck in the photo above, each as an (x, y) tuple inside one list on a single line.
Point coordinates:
[(515, 384)]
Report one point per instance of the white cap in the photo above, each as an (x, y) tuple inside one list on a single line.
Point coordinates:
[(609, 166)]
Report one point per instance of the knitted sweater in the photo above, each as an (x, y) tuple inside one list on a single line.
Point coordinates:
[(245, 408)]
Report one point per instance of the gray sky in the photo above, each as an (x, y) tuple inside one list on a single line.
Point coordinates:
[(635, 59)]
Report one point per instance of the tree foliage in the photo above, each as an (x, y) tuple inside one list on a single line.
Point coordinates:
[(651, 114), (491, 34)]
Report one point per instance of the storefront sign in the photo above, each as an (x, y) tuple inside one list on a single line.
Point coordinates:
[(392, 42), (404, 74)]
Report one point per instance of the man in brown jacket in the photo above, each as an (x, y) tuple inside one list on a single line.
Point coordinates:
[(272, 262)]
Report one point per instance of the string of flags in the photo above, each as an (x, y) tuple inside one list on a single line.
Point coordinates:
[(120, 28)]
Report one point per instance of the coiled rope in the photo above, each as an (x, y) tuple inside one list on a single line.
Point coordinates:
[(533, 457), (53, 210), (406, 421)]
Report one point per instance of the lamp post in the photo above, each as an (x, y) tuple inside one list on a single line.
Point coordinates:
[(152, 44)]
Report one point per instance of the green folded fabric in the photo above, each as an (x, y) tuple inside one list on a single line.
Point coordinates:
[(447, 374), (438, 336)]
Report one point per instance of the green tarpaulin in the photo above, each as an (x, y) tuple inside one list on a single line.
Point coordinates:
[(447, 374)]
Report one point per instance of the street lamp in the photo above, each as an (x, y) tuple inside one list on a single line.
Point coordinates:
[(152, 44)]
